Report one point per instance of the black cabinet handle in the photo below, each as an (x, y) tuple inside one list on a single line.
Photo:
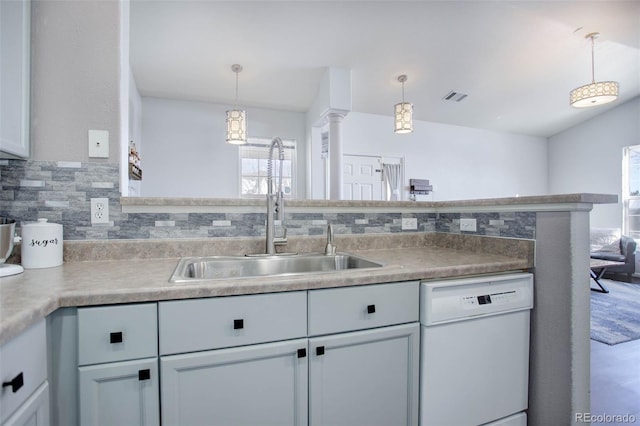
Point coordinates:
[(320, 350), (371, 309), (15, 384), (302, 353), (238, 324), (115, 337), (144, 374)]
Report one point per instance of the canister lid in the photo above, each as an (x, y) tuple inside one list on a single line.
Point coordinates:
[(42, 222)]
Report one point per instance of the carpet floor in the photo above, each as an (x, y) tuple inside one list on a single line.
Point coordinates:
[(615, 316)]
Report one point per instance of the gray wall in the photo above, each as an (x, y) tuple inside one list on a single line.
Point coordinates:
[(75, 77), (588, 158)]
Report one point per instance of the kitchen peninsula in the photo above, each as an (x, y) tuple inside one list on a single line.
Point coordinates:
[(558, 256)]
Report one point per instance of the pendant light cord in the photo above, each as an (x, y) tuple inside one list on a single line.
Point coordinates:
[(593, 67)]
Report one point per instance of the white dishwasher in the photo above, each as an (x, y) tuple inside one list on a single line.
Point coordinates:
[(475, 350)]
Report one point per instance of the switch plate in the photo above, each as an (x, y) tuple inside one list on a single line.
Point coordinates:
[(99, 210), (99, 143), (409, 223), (468, 224)]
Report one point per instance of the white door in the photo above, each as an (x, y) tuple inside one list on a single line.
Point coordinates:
[(120, 393), (365, 378), (362, 178), (262, 385)]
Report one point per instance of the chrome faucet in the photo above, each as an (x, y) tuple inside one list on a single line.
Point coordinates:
[(275, 202), (330, 248)]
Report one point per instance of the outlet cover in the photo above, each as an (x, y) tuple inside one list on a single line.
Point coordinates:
[(99, 210), (468, 224), (99, 143), (409, 223)]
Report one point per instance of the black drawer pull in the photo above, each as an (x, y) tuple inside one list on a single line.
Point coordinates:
[(144, 374), (320, 350), (15, 384), (302, 353), (238, 324), (371, 309), (115, 337)]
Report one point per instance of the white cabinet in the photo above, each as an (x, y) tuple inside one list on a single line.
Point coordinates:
[(120, 393), (365, 378), (247, 364), (15, 39), (264, 384), (34, 411), (24, 397), (118, 365)]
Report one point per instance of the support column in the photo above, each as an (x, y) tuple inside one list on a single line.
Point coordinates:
[(559, 386), (335, 156)]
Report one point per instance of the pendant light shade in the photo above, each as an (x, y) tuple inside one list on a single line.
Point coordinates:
[(595, 93), (236, 118), (403, 112)]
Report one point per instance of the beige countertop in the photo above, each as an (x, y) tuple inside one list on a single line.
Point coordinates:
[(32, 295)]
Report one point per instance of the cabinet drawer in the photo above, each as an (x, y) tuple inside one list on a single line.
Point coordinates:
[(23, 367), (117, 333), (201, 324), (356, 308)]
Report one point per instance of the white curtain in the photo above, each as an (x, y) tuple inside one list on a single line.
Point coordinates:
[(392, 175)]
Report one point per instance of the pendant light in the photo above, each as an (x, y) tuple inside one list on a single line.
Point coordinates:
[(236, 118), (403, 112), (593, 94)]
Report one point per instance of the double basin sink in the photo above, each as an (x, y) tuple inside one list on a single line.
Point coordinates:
[(229, 267)]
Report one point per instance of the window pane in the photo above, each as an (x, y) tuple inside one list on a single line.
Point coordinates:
[(634, 172), (249, 167), (254, 161)]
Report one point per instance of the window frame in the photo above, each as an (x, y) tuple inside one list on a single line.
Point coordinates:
[(627, 197), (258, 142)]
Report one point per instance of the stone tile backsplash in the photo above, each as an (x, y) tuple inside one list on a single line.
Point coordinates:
[(61, 191)]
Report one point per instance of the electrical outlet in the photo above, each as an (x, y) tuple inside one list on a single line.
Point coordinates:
[(99, 210), (409, 223), (468, 224)]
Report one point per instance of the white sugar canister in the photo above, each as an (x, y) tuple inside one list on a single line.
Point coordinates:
[(41, 244)]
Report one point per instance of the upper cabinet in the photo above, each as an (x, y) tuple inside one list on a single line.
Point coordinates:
[(15, 66)]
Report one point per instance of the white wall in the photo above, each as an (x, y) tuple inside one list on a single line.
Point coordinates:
[(75, 77), (185, 153), (588, 158), (460, 162)]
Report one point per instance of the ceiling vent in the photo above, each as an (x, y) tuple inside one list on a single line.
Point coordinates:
[(454, 96)]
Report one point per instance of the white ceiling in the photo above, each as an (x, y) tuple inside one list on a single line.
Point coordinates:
[(517, 60)]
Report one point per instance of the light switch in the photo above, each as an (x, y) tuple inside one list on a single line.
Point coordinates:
[(99, 143)]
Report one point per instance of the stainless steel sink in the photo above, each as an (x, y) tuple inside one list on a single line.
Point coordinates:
[(226, 267)]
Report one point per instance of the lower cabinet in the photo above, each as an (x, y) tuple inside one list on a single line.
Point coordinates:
[(118, 375), (34, 411), (365, 378), (120, 393), (24, 395), (263, 384)]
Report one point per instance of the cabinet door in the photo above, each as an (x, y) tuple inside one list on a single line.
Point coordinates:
[(365, 378), (34, 411), (262, 385), (15, 33), (120, 393)]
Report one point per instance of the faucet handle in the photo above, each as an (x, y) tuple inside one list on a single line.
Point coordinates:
[(330, 248), (280, 241)]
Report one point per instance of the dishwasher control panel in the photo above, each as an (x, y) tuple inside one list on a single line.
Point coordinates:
[(460, 299)]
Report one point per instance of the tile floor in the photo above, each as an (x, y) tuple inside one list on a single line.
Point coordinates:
[(615, 380)]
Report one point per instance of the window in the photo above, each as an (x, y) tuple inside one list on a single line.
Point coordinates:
[(631, 191), (254, 157)]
